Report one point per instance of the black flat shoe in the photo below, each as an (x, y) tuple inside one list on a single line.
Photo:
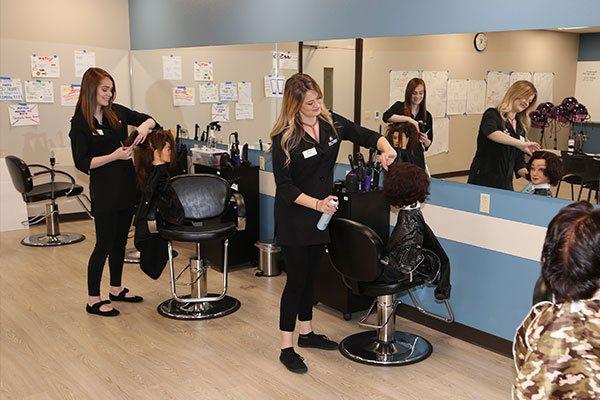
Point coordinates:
[(95, 309), (121, 297), (316, 342), (293, 361)]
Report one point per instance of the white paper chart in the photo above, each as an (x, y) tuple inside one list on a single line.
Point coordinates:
[(398, 82), (23, 114), (244, 111), (184, 96), (38, 91), (287, 60), (497, 85), (520, 76), (45, 66), (69, 94), (228, 91), (208, 92), (171, 67), (220, 112), (83, 60), (437, 92), (476, 96), (544, 83), (457, 97), (244, 92), (203, 71), (274, 85), (10, 89), (441, 127)]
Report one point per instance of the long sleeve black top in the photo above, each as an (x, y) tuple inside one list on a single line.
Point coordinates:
[(310, 172), (398, 109), (112, 186)]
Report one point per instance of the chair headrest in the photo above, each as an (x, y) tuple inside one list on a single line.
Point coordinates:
[(203, 196), (355, 250), (19, 174)]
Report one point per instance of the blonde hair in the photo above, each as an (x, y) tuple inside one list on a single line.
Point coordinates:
[(289, 121), (519, 90)]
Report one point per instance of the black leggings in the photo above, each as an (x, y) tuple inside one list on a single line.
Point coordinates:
[(111, 238), (297, 299)]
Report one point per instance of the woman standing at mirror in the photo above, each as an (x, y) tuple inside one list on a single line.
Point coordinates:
[(502, 141), (413, 110)]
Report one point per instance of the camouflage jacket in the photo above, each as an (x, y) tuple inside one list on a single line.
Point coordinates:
[(557, 352)]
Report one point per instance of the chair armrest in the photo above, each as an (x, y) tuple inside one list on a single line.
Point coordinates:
[(49, 171), (238, 204), (38, 166)]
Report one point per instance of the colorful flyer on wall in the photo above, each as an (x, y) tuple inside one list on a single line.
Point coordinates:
[(69, 94), (38, 91), (45, 66), (23, 114), (208, 92), (228, 91), (83, 60), (244, 92), (10, 89), (184, 96), (220, 112), (171, 67), (203, 71), (244, 111)]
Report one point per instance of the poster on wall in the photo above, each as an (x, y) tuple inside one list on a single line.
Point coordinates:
[(69, 94), (228, 91), (203, 71), (476, 96), (171, 67), (457, 97), (544, 83), (23, 114), (441, 127), (244, 111), (44, 66), (184, 96), (10, 89), (287, 60), (38, 91), (208, 92), (497, 85), (520, 76), (437, 92), (398, 82), (244, 92), (274, 85), (220, 112), (83, 60)]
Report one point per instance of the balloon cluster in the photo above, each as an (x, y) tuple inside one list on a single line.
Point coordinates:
[(569, 110)]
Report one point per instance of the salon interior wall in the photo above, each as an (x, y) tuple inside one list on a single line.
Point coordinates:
[(153, 95), (57, 27), (541, 51)]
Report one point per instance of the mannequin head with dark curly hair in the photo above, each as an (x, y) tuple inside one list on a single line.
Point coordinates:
[(405, 184)]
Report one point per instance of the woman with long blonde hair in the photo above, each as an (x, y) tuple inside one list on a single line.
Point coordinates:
[(502, 139), (306, 140)]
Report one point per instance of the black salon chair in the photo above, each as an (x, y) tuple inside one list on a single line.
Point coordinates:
[(357, 253), (208, 203), (22, 179), (574, 169), (591, 178)]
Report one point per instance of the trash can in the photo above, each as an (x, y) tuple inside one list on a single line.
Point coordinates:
[(268, 259)]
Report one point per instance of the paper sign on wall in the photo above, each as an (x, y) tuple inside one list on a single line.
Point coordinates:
[(398, 82), (23, 114), (519, 76), (544, 83), (437, 92), (497, 85), (69, 94), (10, 89), (45, 66), (228, 91), (244, 111), (203, 71), (38, 91), (244, 92), (441, 127), (287, 60), (171, 67), (83, 60), (220, 112), (457, 96), (476, 96), (274, 85), (184, 96), (208, 92)]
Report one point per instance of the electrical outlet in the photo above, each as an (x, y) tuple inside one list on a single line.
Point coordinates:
[(484, 203), (376, 114), (367, 115), (261, 162)]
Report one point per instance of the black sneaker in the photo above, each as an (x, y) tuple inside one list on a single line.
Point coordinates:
[(316, 342), (293, 361)]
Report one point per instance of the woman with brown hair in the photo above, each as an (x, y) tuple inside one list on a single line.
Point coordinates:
[(502, 139), (306, 140), (98, 129), (405, 140)]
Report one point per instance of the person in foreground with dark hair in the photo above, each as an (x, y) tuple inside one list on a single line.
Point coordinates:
[(545, 170), (413, 247), (557, 347)]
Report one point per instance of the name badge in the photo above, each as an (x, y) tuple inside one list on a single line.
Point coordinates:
[(99, 132), (309, 153), (332, 141), (522, 138)]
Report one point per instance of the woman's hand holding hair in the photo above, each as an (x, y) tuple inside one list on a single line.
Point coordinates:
[(388, 154), (122, 153), (143, 131), (529, 147)]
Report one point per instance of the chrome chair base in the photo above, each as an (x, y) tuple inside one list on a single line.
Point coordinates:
[(195, 311), (132, 255), (45, 240), (404, 349)]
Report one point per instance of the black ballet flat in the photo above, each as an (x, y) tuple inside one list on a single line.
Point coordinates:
[(95, 309), (121, 297)]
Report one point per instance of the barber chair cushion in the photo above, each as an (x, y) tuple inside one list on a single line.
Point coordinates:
[(375, 289), (44, 191), (186, 233)]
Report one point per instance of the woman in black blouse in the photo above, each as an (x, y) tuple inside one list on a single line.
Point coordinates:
[(306, 140), (98, 129)]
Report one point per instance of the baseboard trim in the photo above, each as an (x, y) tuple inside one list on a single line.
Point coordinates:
[(463, 332)]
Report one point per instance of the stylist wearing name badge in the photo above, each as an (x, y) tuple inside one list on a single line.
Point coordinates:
[(306, 140)]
